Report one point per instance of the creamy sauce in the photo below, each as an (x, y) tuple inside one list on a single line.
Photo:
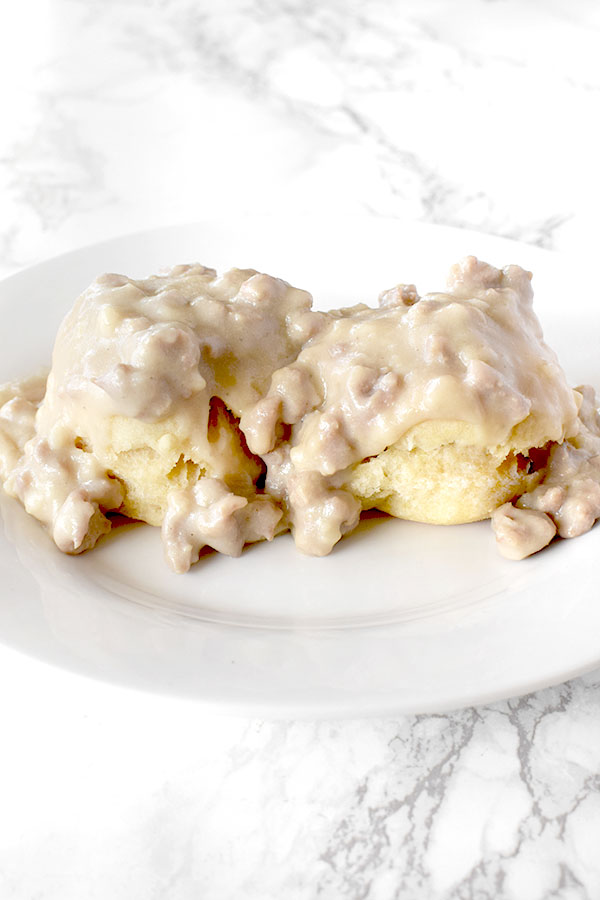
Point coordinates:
[(315, 395), (153, 350), (568, 497), (521, 532), (474, 355), (209, 515), (19, 402)]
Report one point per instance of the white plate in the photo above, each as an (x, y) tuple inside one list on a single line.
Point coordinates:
[(400, 617)]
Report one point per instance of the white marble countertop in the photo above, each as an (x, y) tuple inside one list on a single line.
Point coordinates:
[(120, 116)]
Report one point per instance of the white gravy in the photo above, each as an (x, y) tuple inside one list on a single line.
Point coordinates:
[(315, 394)]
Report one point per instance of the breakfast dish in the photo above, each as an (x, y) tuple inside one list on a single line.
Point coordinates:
[(226, 410), (438, 409), (141, 408), (402, 617)]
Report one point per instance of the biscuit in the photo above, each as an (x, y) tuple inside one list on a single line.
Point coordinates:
[(436, 409), (149, 378)]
